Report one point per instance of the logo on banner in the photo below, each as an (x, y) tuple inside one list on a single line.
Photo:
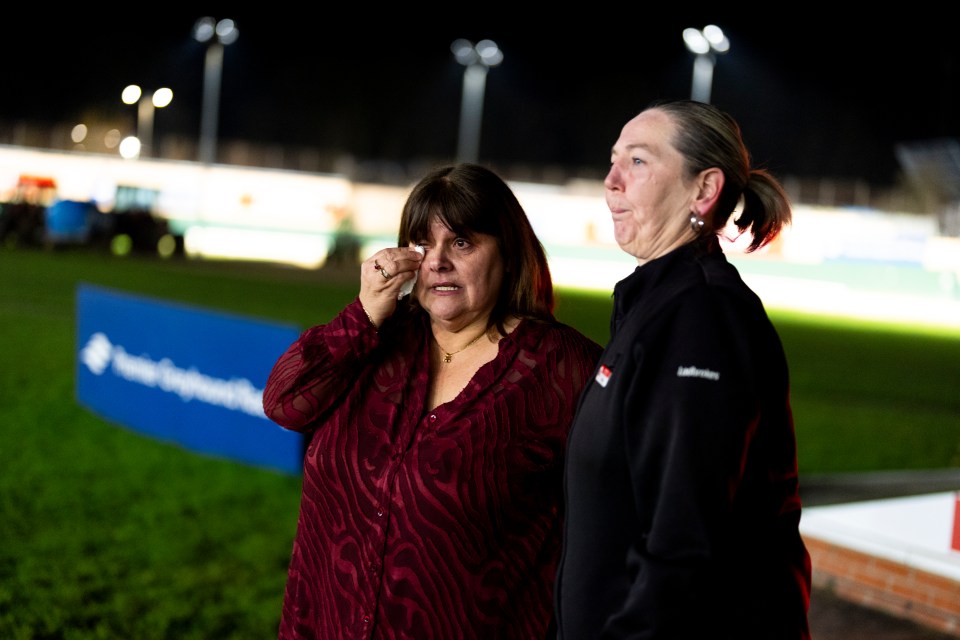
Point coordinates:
[(237, 394), (175, 372)]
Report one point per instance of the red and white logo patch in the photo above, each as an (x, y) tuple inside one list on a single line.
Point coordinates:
[(603, 375)]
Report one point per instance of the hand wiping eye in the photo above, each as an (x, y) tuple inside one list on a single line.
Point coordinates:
[(407, 287)]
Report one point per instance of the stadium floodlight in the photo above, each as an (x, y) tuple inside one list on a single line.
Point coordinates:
[(705, 44), (216, 34), (132, 94), (476, 59)]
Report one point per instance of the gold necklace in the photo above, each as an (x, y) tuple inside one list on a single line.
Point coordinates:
[(448, 355)]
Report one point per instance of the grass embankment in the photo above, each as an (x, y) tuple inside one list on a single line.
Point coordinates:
[(105, 533)]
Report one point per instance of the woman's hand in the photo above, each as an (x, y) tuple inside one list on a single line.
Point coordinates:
[(381, 277)]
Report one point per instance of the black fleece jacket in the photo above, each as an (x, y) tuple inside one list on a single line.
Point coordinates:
[(682, 496)]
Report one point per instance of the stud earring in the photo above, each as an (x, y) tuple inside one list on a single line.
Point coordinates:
[(696, 223)]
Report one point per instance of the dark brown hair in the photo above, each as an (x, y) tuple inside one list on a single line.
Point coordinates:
[(471, 199), (707, 137)]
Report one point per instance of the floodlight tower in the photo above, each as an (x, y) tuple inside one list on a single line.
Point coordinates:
[(146, 107), (705, 44), (476, 59), (216, 35)]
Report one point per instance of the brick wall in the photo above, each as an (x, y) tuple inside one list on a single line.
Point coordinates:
[(903, 591)]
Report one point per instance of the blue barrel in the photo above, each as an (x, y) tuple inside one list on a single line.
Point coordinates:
[(69, 221)]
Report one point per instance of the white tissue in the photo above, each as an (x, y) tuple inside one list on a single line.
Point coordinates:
[(407, 286)]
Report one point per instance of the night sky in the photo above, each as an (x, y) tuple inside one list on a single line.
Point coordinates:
[(817, 95)]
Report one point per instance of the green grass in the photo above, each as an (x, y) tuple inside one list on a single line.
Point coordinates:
[(872, 395), (105, 533)]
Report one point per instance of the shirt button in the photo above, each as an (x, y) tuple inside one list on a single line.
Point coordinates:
[(379, 513), (433, 417), (366, 619)]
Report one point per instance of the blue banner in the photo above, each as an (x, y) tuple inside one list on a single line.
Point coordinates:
[(183, 374)]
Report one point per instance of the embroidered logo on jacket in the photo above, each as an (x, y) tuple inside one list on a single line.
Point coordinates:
[(693, 372), (603, 375)]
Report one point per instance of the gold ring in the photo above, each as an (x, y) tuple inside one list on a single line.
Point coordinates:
[(383, 272)]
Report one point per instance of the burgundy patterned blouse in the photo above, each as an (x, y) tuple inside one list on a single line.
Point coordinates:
[(426, 524)]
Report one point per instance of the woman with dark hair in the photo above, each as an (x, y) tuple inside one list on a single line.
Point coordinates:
[(681, 484), (437, 424)]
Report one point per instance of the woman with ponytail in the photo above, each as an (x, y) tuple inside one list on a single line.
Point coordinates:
[(682, 500)]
